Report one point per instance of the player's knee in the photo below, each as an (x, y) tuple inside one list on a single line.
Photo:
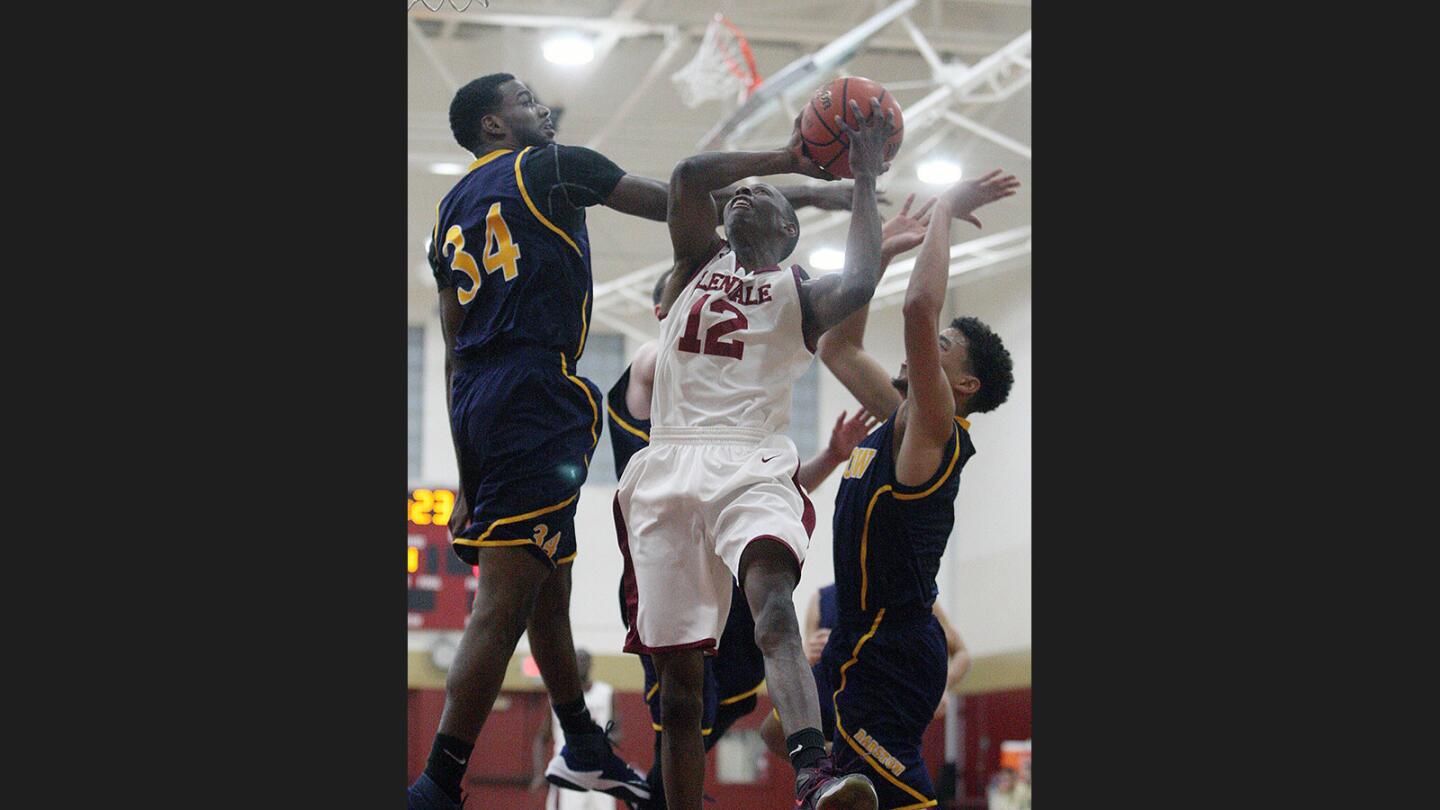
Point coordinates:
[(775, 623), (681, 704), (501, 618)]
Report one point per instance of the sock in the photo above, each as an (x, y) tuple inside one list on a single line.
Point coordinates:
[(446, 764), (575, 717), (806, 747)]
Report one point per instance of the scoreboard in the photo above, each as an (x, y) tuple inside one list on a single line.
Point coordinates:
[(441, 587)]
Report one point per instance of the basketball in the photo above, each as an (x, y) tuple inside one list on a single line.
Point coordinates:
[(828, 145)]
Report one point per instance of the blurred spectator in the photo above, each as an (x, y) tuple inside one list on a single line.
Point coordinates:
[(1001, 794)]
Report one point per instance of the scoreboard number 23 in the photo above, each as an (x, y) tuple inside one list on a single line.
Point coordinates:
[(427, 507)]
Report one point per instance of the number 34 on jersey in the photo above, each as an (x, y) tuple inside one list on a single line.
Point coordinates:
[(500, 253)]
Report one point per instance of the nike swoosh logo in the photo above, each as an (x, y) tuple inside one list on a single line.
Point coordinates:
[(457, 759), (792, 753), (772, 458)]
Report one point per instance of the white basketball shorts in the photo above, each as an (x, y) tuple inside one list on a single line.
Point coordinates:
[(687, 507)]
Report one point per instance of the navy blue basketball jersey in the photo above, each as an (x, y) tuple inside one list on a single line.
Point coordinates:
[(510, 241), (628, 435), (889, 537)]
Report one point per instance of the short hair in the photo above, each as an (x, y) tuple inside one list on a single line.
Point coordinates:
[(659, 291), (471, 103), (989, 362)]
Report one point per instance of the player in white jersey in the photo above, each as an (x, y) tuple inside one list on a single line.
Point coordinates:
[(718, 475)]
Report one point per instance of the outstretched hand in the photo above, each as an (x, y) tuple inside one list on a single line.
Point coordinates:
[(868, 138), (967, 195), (905, 230), (847, 435)]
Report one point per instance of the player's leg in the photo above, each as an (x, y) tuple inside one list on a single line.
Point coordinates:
[(768, 575), (894, 678), (553, 646), (586, 760), (509, 581), (772, 735), (682, 707)]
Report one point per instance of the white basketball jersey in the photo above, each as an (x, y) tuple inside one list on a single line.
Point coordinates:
[(731, 348)]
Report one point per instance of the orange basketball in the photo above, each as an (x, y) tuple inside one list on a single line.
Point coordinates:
[(827, 144)]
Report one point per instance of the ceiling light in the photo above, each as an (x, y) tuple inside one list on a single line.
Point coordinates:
[(938, 172), (827, 259), (568, 49), (447, 168)]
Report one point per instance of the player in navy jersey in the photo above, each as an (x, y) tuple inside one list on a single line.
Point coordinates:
[(734, 675), (821, 618), (883, 670), (511, 256)]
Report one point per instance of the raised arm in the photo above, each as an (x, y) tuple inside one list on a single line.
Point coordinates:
[(842, 348), (692, 209), (828, 300), (932, 402)]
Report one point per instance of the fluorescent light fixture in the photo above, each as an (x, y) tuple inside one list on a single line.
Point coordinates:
[(568, 49), (447, 168), (827, 259), (938, 172)]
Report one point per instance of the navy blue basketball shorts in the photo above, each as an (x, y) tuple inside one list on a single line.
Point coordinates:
[(879, 687), (527, 426)]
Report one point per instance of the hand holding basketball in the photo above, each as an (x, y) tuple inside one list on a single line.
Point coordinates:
[(868, 139), (965, 196), (800, 162), (826, 141)]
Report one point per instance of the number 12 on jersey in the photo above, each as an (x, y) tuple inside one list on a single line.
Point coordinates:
[(713, 345)]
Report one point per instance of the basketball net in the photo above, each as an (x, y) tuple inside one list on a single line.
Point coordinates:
[(724, 67)]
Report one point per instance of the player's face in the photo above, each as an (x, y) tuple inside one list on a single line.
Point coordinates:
[(527, 119), (954, 360), (757, 210)]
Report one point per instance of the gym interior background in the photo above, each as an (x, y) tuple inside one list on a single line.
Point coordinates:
[(961, 70)]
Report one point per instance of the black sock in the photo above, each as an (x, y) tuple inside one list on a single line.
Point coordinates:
[(575, 717), (806, 747), (446, 765)]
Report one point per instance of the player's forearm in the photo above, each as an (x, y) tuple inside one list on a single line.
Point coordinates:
[(862, 248), (814, 472), (711, 171), (925, 295)]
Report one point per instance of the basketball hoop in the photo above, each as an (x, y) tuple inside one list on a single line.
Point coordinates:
[(723, 66)]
